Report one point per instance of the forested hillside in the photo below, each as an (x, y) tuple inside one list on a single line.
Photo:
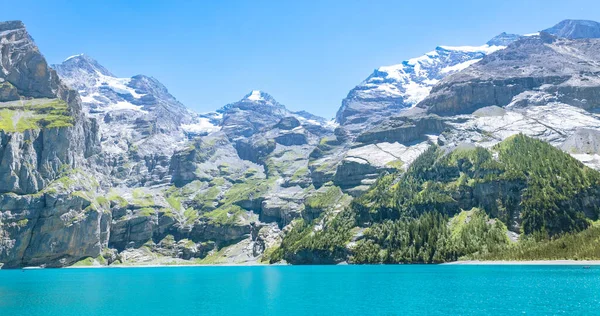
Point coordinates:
[(465, 203)]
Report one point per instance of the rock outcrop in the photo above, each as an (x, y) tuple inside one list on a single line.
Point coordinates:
[(558, 67), (45, 142)]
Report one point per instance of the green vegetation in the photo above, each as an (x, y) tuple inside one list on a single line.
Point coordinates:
[(205, 201), (174, 202), (226, 215), (214, 257), (395, 164), (429, 239), (326, 144), (304, 245), (324, 199), (89, 261), (113, 196), (103, 202), (268, 255), (300, 173), (147, 211), (530, 178), (249, 190), (34, 114), (556, 186), (100, 259), (584, 245), (190, 215), (217, 202), (419, 215), (141, 198)]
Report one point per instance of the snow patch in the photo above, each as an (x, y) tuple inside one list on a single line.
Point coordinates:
[(415, 92), (71, 57), (459, 67), (486, 49), (255, 96), (202, 126), (123, 105), (119, 85)]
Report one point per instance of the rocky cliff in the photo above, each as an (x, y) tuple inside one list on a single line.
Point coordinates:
[(48, 213)]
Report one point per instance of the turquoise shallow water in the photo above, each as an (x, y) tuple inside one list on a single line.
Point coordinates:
[(303, 290)]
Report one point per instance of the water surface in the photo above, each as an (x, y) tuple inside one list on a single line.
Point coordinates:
[(303, 290)]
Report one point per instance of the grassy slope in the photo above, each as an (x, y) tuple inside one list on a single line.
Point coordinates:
[(34, 114)]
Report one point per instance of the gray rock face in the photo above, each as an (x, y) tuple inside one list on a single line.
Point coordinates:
[(381, 111), (288, 123), (575, 29), (583, 141), (403, 129), (552, 65), (23, 66), (41, 221), (256, 111), (8, 92), (207, 158)]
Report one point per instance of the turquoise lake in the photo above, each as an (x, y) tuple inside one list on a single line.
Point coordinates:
[(303, 290)]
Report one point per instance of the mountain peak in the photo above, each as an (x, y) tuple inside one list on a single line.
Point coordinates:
[(85, 63), (575, 29), (503, 39), (11, 25), (258, 96)]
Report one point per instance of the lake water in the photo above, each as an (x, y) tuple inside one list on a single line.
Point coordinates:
[(303, 290)]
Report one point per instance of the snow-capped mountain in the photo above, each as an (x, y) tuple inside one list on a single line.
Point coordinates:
[(257, 110), (140, 121), (575, 29), (395, 87), (140, 96)]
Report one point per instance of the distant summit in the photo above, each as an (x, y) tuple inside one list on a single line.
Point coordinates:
[(503, 39), (258, 96), (575, 29), (82, 63)]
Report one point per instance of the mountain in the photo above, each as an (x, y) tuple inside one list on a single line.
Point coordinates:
[(539, 85), (103, 170), (381, 120), (140, 121), (258, 110), (393, 88), (208, 179), (575, 29), (103, 93)]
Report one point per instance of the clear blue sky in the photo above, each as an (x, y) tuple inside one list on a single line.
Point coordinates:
[(307, 54)]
